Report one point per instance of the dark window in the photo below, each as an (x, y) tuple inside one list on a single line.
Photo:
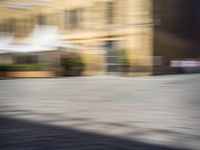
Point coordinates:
[(32, 59), (110, 13), (20, 60), (6, 26), (12, 25), (1, 27), (66, 19), (74, 19)]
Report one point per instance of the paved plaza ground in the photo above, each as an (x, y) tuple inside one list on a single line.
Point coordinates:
[(101, 112)]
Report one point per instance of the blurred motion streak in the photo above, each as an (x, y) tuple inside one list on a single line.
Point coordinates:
[(105, 39), (132, 37)]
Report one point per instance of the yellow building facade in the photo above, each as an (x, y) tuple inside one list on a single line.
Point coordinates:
[(103, 28)]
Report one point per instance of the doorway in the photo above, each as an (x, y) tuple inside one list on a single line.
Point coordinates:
[(112, 57)]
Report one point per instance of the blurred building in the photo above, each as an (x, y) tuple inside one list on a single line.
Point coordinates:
[(176, 31), (105, 28), (108, 29)]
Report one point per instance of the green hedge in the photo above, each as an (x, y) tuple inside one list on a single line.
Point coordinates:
[(24, 67)]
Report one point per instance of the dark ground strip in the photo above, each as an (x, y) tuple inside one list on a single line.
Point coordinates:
[(16, 134)]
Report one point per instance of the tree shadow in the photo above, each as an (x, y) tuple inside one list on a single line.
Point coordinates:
[(18, 134)]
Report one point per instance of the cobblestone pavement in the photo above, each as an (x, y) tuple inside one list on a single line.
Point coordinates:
[(105, 112)]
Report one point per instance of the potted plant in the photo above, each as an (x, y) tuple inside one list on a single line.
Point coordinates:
[(73, 64), (125, 64)]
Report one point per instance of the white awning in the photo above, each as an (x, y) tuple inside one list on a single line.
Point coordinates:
[(43, 38), (15, 48), (44, 35), (5, 41), (69, 46), (48, 36)]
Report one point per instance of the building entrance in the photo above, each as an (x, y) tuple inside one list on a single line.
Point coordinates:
[(112, 57)]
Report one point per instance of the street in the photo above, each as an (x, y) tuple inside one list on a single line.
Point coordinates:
[(101, 112)]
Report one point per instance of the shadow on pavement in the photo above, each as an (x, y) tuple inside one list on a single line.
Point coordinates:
[(16, 134)]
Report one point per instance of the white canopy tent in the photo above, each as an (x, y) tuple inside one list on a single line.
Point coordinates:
[(5, 42), (48, 37), (43, 38)]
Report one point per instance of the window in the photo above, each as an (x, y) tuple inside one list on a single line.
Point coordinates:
[(110, 12), (31, 59), (73, 19), (11, 26), (66, 19), (2, 27)]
